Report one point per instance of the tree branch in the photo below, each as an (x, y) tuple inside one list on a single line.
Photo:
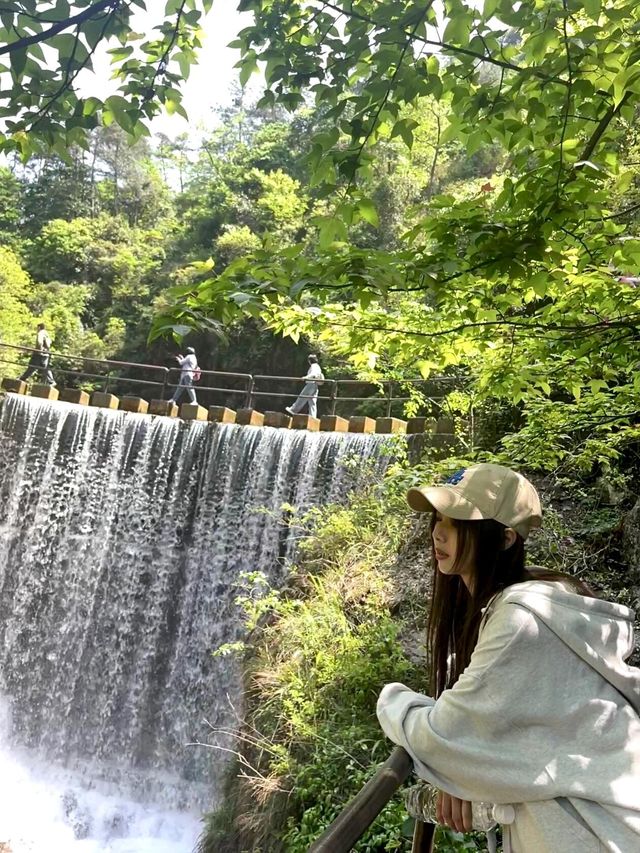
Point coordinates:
[(391, 82), (624, 212), (70, 77), (590, 328), (162, 62), (501, 63), (604, 123), (567, 103), (76, 20)]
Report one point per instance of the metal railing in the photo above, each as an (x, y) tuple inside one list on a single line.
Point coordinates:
[(358, 815), (244, 390)]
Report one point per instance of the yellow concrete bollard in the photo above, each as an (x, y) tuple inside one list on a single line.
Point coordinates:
[(193, 412), (75, 395), (334, 423), (134, 404), (249, 417), (277, 419), (416, 425), (104, 401), (222, 415), (390, 425), (45, 392), (306, 422), (14, 386), (445, 426), (166, 408), (361, 423)]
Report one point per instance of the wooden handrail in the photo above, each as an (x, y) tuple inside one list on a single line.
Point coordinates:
[(359, 814)]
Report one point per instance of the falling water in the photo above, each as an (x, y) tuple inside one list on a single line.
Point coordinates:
[(122, 538)]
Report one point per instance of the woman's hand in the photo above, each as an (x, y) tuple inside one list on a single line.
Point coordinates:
[(453, 812)]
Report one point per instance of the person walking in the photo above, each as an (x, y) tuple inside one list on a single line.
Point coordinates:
[(534, 713), (39, 360), (309, 394), (188, 369)]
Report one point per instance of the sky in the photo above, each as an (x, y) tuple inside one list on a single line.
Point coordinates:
[(209, 84)]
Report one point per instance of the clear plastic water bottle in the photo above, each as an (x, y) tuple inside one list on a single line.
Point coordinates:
[(420, 803)]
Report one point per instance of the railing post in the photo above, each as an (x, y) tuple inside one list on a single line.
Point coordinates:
[(472, 428), (364, 808), (424, 836), (249, 398)]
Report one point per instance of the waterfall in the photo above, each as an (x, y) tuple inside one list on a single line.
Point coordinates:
[(122, 539)]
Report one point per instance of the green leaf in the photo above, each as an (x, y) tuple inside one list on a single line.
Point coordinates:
[(248, 66), (368, 212), (425, 368), (184, 62), (120, 108), (489, 8), (18, 60), (91, 106), (539, 283), (404, 128), (180, 330), (60, 12), (457, 29), (120, 53), (331, 230), (592, 8)]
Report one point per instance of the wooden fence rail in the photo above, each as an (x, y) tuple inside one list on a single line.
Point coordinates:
[(358, 815)]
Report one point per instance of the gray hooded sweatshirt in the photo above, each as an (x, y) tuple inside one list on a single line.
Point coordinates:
[(546, 718)]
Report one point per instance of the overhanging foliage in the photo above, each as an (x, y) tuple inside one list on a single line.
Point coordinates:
[(45, 46), (518, 282)]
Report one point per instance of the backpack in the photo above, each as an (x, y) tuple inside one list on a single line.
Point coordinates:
[(196, 375)]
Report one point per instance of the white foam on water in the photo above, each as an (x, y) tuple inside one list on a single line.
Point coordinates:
[(49, 809), (45, 810)]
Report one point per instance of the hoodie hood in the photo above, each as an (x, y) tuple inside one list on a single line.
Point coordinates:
[(599, 632)]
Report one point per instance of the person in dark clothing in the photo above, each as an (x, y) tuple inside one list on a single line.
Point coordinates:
[(39, 361)]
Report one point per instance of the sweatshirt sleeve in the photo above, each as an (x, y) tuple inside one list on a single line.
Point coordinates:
[(455, 741)]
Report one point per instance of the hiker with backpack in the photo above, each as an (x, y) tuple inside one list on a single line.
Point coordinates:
[(534, 713), (189, 373)]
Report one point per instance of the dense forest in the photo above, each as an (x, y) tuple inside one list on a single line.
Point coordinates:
[(98, 243), (91, 242)]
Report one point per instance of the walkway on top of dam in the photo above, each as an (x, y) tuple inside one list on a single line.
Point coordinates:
[(257, 400)]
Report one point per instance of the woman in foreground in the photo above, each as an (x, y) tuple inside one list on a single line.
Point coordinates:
[(533, 704)]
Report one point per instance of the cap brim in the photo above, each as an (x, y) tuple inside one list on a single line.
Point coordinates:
[(444, 499)]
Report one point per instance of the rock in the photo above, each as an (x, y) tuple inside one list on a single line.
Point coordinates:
[(610, 495), (77, 816), (411, 576), (631, 557), (631, 546)]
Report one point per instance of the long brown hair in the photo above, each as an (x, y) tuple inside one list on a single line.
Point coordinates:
[(456, 613)]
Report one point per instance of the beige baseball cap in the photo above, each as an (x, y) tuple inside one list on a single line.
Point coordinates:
[(483, 491)]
